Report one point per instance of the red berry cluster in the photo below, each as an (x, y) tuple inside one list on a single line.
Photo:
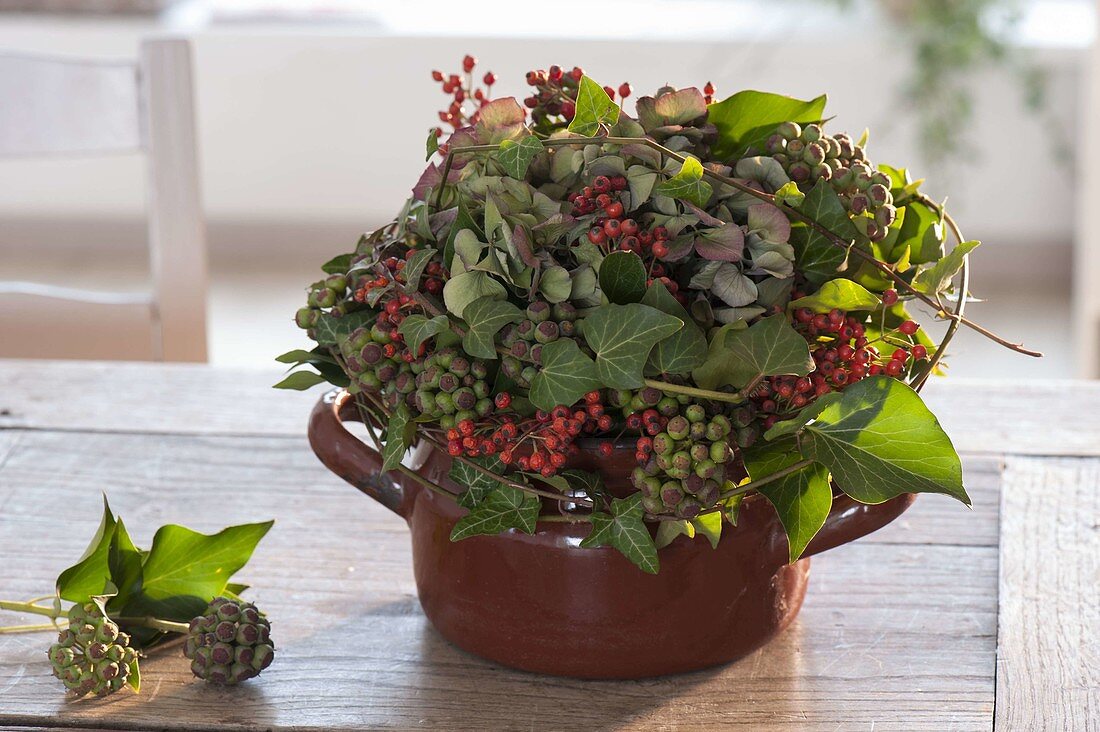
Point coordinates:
[(431, 281), (650, 423), (461, 88), (541, 444)]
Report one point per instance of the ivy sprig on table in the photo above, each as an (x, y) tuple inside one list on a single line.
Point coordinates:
[(723, 281), (127, 600)]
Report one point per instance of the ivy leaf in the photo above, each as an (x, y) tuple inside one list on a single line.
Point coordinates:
[(463, 220), (418, 328), (667, 531), (879, 440), (622, 277), (463, 289), (769, 347), (184, 569), (688, 184), (337, 265), (937, 277), (515, 157), (299, 356), (125, 563), (625, 530), (478, 485), (414, 268), (431, 147), (397, 437), (746, 119), (641, 180), (922, 230), (566, 375), (505, 508), (485, 317), (682, 351), (712, 372), (840, 293), (622, 337), (594, 108), (788, 194), (90, 575), (300, 381), (710, 526), (815, 255), (802, 499)]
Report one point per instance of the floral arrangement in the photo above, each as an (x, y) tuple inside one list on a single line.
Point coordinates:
[(722, 288)]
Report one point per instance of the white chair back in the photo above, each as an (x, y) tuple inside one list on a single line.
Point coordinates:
[(58, 107)]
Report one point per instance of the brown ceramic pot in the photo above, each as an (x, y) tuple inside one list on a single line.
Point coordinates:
[(542, 603)]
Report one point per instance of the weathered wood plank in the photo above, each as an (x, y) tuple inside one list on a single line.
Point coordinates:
[(992, 417), (897, 633), (1048, 650)]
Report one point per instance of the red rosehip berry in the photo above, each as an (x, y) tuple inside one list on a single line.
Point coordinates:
[(437, 76), (614, 210), (555, 73), (908, 327), (660, 250), (568, 109), (894, 367), (919, 352), (606, 449), (489, 79), (889, 297), (708, 89), (503, 400), (468, 63), (577, 73), (625, 90)]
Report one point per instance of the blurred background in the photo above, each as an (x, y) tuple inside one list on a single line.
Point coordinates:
[(311, 117)]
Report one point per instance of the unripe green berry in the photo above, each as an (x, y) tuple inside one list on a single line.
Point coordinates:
[(689, 508), (538, 312), (444, 403), (547, 332), (695, 413), (678, 427), (789, 130), (720, 452)]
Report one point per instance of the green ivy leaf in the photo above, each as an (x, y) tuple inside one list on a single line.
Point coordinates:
[(478, 485), (746, 119), (399, 433), (515, 157), (566, 375), (594, 108), (484, 318), (687, 185), (431, 147), (922, 230), (815, 255), (712, 372), (667, 531), (622, 337), (769, 347), (414, 268), (682, 351), (840, 293), (184, 569), (625, 530), (879, 440), (463, 220), (337, 265), (90, 575), (788, 194), (417, 328), (936, 278), (622, 277), (505, 508), (125, 563), (710, 526), (299, 356), (802, 499), (300, 381)]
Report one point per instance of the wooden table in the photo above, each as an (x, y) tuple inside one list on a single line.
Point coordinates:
[(948, 619)]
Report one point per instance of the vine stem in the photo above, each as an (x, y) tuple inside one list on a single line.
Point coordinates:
[(147, 621), (10, 629), (793, 213), (30, 607), (717, 396)]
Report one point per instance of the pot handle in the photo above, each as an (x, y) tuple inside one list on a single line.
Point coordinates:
[(849, 520), (346, 455)]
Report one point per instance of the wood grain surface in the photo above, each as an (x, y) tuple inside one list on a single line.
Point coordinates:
[(898, 631), (1048, 652)]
